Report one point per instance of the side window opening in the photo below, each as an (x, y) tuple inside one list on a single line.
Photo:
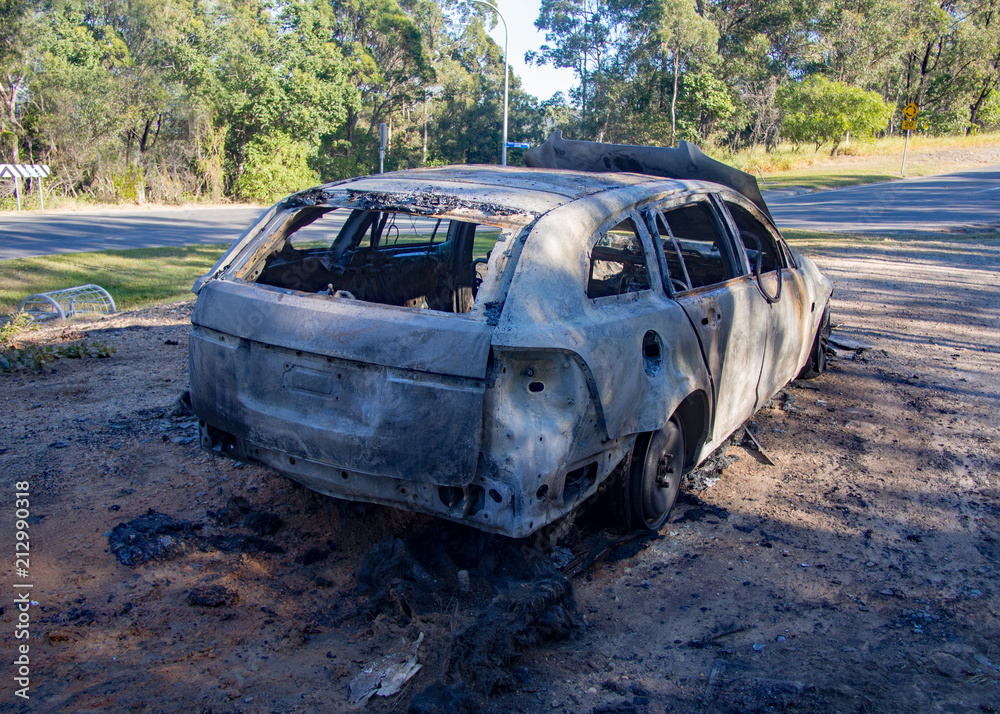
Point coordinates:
[(693, 247), (618, 263), (762, 251), (676, 269), (384, 257)]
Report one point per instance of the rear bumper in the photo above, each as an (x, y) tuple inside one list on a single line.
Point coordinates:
[(487, 503), (352, 485)]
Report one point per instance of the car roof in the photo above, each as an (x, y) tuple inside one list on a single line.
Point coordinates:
[(528, 190), (571, 184)]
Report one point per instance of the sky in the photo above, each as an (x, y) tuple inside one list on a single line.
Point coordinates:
[(520, 15)]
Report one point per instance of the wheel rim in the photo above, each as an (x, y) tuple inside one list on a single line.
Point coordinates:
[(659, 480)]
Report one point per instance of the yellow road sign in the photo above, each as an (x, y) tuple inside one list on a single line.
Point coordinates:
[(909, 125), (911, 110)]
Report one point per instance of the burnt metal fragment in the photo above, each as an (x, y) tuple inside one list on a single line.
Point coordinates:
[(515, 599), (151, 536), (238, 511)]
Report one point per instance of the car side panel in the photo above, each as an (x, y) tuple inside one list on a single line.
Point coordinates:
[(817, 292), (731, 320), (787, 318), (788, 334), (547, 306)]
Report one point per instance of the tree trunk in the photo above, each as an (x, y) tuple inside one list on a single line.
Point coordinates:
[(146, 143), (352, 123), (663, 82), (974, 108), (673, 105), (8, 94)]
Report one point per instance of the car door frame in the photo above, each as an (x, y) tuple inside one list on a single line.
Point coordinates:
[(725, 317), (788, 321), (635, 396)]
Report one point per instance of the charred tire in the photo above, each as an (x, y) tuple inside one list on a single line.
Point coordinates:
[(816, 364), (654, 477)]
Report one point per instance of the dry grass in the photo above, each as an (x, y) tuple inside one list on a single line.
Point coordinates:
[(864, 161)]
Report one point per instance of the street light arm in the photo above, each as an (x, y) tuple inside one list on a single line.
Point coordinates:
[(497, 11), (506, 73)]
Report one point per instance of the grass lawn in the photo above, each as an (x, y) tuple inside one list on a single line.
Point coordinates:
[(135, 277), (823, 180)]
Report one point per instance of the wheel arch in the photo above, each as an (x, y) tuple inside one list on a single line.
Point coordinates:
[(694, 414)]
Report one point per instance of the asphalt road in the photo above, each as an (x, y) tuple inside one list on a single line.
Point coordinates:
[(31, 234), (933, 203), (964, 199)]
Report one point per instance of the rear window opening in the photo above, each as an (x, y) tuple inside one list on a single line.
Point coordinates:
[(384, 257), (618, 263)]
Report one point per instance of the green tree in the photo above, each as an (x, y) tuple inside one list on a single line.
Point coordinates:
[(978, 69), (859, 41), (577, 37), (708, 103), (77, 88), (820, 110), (389, 66), (989, 112), (15, 34), (267, 74), (685, 36), (465, 103)]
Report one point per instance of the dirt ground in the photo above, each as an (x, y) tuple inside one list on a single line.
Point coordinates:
[(859, 573)]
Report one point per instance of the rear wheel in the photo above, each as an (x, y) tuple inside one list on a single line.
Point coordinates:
[(816, 364), (653, 479)]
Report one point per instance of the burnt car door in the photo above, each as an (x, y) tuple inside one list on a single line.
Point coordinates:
[(781, 284), (632, 331), (620, 305), (706, 276)]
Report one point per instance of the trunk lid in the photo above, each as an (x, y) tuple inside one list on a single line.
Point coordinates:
[(376, 389)]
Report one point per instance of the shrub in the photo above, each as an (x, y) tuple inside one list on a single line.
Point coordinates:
[(14, 325), (819, 110), (36, 358), (275, 166)]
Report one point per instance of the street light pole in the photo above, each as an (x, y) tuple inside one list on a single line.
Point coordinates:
[(506, 72)]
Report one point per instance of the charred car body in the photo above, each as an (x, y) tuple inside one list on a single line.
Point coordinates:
[(491, 345)]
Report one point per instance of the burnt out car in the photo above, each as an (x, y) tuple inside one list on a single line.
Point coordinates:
[(493, 345)]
